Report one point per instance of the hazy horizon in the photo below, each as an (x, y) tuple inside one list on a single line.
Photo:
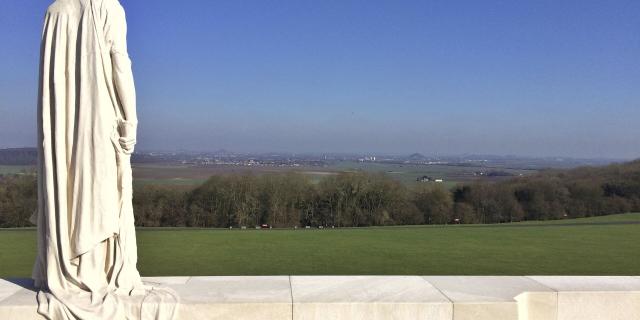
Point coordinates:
[(377, 154), (531, 79)]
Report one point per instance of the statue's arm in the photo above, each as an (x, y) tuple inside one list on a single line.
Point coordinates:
[(116, 34)]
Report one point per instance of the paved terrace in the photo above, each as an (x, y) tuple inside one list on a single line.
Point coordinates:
[(381, 297)]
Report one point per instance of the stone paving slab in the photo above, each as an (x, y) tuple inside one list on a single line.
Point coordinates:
[(18, 300), (367, 297), (589, 283), (264, 297), (10, 286), (485, 288), (480, 298), (165, 280), (595, 298)]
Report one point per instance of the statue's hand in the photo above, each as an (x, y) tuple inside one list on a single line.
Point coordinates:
[(127, 138), (127, 144)]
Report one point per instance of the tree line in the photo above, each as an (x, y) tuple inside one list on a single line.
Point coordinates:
[(361, 199)]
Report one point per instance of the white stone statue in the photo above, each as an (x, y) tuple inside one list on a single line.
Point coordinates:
[(86, 262)]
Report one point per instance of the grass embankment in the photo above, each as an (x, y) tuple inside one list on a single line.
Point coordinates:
[(607, 245)]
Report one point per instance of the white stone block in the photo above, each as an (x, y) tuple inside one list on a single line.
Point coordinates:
[(598, 305), (484, 297), (485, 311), (267, 297), (11, 286), (165, 280), (589, 283), (21, 305), (595, 298), (537, 306), (367, 297)]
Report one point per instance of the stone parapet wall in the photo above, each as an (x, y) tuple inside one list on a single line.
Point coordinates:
[(381, 297)]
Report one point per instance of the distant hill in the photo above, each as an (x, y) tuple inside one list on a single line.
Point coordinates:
[(19, 156), (417, 157)]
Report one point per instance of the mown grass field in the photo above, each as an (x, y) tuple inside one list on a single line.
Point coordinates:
[(592, 246)]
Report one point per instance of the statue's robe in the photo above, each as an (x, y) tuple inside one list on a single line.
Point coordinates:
[(86, 260)]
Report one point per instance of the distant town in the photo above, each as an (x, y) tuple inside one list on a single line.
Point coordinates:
[(28, 156)]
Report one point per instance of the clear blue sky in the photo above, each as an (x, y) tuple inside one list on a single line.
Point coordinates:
[(538, 78)]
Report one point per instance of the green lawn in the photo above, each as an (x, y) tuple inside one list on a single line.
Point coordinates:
[(569, 247)]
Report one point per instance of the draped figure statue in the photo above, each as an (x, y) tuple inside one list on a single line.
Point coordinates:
[(87, 122)]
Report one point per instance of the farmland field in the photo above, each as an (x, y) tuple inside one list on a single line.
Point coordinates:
[(607, 245), (405, 173), (193, 175), (13, 169)]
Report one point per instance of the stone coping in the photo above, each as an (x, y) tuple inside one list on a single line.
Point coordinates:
[(381, 297)]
